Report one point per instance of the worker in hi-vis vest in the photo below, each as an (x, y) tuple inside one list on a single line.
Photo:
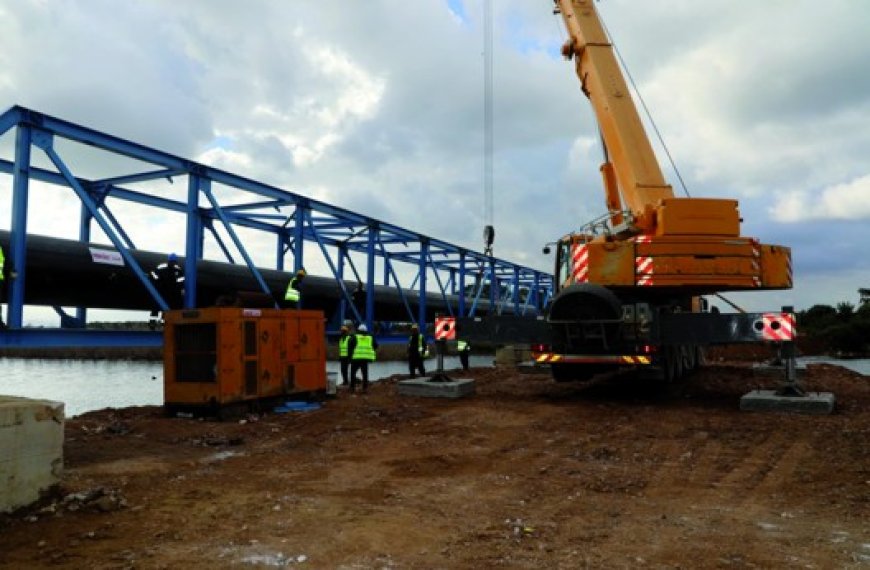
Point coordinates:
[(293, 296), (361, 348), (464, 349), (343, 356), (416, 352)]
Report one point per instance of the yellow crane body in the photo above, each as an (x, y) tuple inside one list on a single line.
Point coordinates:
[(655, 239)]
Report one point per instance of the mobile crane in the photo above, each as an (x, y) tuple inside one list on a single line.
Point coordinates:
[(630, 284), (653, 254)]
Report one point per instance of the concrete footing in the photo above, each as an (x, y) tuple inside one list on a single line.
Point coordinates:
[(424, 387), (31, 450), (819, 403)]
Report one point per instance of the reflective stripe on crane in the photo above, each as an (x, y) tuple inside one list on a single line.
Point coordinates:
[(643, 270), (580, 262), (756, 261), (549, 358)]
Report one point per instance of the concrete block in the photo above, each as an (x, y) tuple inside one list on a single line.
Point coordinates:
[(820, 403), (423, 387), (512, 355), (31, 449)]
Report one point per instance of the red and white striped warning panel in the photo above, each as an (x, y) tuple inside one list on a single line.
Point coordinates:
[(778, 326), (445, 328), (643, 270), (580, 262)]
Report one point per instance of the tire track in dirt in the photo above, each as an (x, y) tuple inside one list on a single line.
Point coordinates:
[(724, 469), (752, 469)]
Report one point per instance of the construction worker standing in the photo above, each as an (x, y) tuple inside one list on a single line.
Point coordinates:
[(168, 279), (361, 349), (464, 349), (293, 296), (416, 352), (343, 357)]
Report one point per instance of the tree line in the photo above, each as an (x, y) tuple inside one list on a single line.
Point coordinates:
[(840, 329)]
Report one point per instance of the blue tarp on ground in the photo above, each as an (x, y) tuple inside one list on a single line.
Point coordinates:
[(297, 407)]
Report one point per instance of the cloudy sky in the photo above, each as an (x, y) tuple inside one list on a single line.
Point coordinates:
[(377, 106)]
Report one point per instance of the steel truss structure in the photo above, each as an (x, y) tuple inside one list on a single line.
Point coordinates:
[(459, 280)]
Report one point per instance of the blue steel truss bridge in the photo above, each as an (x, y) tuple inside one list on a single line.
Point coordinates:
[(404, 276)]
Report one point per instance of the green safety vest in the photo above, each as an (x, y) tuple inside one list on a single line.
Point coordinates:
[(422, 350), (342, 346), (2, 261), (462, 346), (364, 349), (292, 294)]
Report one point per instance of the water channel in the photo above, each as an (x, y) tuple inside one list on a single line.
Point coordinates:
[(86, 385)]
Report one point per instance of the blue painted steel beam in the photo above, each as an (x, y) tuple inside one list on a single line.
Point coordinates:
[(327, 225), (44, 141), (205, 188), (193, 241), (166, 173), (9, 119), (18, 245)]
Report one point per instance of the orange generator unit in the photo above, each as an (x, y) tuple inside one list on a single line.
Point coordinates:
[(223, 358)]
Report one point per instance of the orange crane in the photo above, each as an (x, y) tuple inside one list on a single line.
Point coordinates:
[(628, 279)]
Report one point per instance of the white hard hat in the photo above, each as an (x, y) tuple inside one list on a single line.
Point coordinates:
[(362, 328)]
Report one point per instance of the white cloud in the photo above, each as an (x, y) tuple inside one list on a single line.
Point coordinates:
[(360, 105), (847, 201)]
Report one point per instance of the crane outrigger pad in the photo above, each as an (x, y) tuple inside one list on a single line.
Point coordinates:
[(817, 403), (425, 388)]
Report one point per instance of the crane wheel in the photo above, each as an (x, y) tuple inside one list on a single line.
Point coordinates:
[(579, 309), (585, 301)]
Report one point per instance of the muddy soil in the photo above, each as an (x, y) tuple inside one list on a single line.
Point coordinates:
[(527, 473)]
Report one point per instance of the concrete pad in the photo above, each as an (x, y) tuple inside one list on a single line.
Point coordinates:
[(31, 450), (425, 388), (819, 403)]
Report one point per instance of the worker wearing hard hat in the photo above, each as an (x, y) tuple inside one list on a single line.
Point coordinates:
[(293, 296), (361, 349), (168, 279)]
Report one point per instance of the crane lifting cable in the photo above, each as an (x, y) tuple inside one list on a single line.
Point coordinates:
[(489, 228)]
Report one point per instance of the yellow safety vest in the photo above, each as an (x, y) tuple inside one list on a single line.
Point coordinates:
[(292, 294), (420, 342), (2, 261), (342, 346), (422, 349), (364, 349), (462, 346)]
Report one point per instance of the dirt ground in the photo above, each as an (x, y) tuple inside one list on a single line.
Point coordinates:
[(527, 473)]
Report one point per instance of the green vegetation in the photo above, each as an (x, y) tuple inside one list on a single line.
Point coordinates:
[(842, 329)]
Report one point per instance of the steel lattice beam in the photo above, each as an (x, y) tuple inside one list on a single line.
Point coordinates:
[(441, 270)]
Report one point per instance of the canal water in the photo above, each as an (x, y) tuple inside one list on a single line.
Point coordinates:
[(86, 385)]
